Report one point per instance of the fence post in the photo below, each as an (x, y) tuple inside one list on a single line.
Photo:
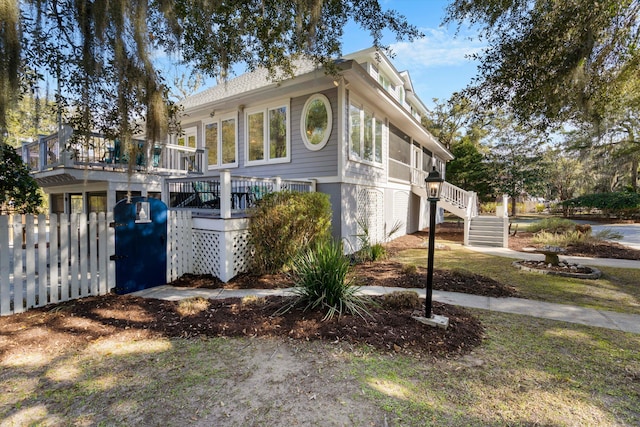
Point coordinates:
[(30, 261), (225, 194), (277, 184), (43, 282), (18, 290), (53, 257), (5, 254)]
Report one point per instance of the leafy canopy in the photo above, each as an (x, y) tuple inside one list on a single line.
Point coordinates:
[(554, 60), (99, 54), (18, 190)]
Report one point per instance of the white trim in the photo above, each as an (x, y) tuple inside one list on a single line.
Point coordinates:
[(219, 120), (186, 133), (303, 119), (265, 109), (364, 110)]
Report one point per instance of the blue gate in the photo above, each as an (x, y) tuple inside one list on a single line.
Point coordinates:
[(141, 244)]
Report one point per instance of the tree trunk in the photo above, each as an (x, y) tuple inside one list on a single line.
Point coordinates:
[(634, 173), (513, 206)]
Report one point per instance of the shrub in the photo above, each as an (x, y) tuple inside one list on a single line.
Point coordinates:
[(540, 207), (607, 234), (623, 204), (323, 282), (285, 223), (488, 207), (563, 240), (552, 225), (373, 252), (401, 299), (410, 269)]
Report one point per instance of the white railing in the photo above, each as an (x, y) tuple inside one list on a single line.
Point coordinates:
[(225, 195), (466, 200), (44, 262), (95, 150)]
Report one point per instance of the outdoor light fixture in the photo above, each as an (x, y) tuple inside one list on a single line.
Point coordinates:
[(434, 186)]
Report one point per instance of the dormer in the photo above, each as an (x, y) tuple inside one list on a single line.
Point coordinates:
[(397, 84)]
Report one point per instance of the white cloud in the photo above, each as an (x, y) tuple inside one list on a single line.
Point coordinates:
[(439, 48)]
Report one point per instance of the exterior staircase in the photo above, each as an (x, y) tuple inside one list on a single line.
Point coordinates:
[(478, 230), (487, 231)]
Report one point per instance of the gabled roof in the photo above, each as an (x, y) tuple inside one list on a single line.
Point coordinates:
[(245, 83)]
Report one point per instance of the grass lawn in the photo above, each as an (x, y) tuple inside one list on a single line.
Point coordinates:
[(527, 372), (617, 290)]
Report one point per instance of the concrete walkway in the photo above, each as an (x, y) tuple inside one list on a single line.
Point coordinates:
[(566, 313), (597, 262)]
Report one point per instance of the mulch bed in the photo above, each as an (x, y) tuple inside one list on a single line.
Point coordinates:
[(603, 249), (388, 330), (381, 273), (75, 323)]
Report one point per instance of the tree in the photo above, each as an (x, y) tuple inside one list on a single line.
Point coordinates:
[(18, 190), (516, 161), (98, 52), (28, 118), (565, 176), (554, 61), (457, 124), (447, 120)]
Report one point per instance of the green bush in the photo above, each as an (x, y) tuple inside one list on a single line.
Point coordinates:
[(323, 281), (623, 204), (540, 207), (283, 224), (552, 225)]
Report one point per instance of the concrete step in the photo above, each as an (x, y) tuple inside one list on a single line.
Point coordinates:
[(486, 231)]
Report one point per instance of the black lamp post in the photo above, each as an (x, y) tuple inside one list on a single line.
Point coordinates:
[(434, 186)]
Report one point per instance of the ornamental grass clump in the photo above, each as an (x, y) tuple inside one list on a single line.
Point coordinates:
[(552, 225), (323, 281)]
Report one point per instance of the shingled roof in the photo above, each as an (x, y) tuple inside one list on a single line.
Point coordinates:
[(245, 83)]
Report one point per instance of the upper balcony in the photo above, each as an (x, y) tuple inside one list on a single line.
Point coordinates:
[(59, 150)]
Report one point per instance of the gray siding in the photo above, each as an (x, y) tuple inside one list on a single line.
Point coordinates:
[(335, 198), (304, 162)]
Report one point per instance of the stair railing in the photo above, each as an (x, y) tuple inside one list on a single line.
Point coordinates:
[(465, 200)]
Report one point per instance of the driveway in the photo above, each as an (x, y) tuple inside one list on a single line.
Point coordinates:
[(630, 233)]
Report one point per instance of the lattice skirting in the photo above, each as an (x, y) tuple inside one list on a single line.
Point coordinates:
[(212, 249), (242, 251), (207, 247)]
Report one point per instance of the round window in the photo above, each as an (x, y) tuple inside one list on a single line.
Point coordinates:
[(315, 125)]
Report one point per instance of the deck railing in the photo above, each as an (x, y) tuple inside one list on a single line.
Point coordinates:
[(95, 150), (224, 195)]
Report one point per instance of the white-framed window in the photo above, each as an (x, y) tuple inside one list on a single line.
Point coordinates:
[(385, 82), (365, 134), (188, 138), (267, 135), (221, 139), (316, 122)]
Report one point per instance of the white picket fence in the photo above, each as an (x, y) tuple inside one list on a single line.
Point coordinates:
[(45, 260), (179, 244)]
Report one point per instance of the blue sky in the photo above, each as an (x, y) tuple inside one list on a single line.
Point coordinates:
[(438, 63)]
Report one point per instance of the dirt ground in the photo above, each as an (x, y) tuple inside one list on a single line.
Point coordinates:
[(389, 329)]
